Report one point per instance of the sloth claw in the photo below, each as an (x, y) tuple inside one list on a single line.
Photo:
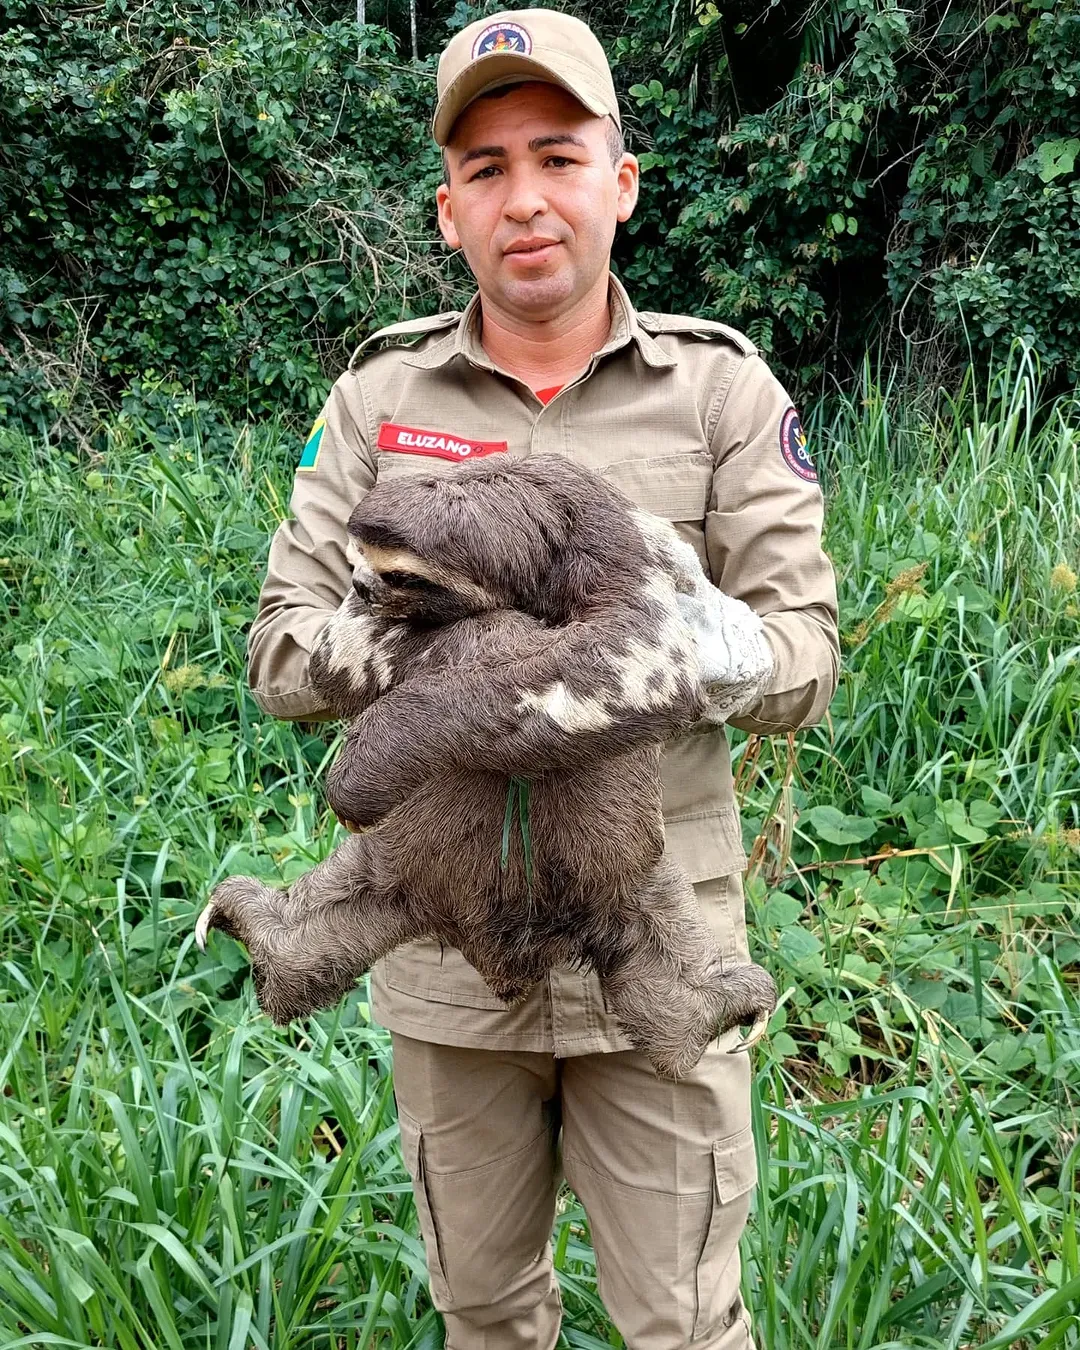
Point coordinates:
[(203, 925), (744, 993), (761, 1022), (235, 907)]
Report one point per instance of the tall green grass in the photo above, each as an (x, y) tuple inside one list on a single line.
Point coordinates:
[(174, 1172)]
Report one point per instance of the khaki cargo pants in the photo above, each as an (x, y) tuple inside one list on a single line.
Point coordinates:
[(664, 1172)]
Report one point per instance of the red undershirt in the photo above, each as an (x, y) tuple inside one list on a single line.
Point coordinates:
[(546, 395)]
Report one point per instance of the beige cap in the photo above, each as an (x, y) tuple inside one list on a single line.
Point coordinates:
[(522, 44)]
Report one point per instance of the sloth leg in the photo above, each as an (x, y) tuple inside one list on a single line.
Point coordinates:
[(309, 943), (666, 982)]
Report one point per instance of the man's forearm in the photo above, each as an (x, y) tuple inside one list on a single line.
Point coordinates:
[(307, 571), (763, 539), (807, 654), (279, 659)]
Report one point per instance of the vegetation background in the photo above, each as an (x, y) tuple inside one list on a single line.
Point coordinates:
[(202, 207)]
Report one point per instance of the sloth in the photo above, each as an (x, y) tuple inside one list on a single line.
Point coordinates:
[(510, 658)]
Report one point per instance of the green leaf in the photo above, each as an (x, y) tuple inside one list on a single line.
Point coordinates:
[(796, 944), (862, 971), (954, 817), (1057, 157), (922, 608), (782, 910), (875, 803), (843, 1036), (783, 1045), (984, 814), (831, 825), (927, 993)]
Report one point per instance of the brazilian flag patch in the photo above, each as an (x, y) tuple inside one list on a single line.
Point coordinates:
[(311, 448)]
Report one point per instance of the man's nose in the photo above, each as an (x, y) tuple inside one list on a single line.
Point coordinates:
[(524, 197)]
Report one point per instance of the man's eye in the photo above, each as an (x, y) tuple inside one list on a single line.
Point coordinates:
[(405, 581), (559, 161), (484, 173)]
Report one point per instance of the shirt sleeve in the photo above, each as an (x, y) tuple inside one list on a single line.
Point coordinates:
[(763, 540), (307, 572)]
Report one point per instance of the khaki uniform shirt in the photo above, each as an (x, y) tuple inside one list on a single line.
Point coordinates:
[(685, 417)]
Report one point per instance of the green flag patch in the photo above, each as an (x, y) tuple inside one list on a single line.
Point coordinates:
[(311, 448)]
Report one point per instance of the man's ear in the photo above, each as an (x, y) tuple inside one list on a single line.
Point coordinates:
[(628, 175), (446, 216)]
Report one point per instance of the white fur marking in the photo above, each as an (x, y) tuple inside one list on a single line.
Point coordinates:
[(672, 552), (649, 671), (358, 645), (566, 710)]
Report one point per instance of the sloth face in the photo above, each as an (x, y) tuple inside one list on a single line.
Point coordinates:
[(396, 584)]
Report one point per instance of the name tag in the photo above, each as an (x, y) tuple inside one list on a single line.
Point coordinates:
[(441, 444)]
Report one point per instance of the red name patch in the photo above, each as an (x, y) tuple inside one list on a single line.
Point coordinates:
[(441, 444)]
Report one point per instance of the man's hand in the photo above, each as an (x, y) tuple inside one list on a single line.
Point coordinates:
[(736, 659)]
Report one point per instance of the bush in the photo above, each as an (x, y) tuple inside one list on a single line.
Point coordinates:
[(208, 195), (816, 177)]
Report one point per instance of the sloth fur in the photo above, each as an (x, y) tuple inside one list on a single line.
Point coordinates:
[(508, 620)]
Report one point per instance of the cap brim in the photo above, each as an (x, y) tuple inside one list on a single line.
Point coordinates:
[(500, 68)]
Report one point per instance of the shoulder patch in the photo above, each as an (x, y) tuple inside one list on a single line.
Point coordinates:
[(691, 326), (311, 447), (793, 447), (408, 328)]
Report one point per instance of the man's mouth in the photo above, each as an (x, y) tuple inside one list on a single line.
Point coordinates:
[(527, 246)]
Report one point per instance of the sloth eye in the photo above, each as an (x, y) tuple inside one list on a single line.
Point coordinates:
[(404, 581)]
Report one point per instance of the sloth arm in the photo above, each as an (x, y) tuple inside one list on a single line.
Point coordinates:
[(358, 656), (522, 700)]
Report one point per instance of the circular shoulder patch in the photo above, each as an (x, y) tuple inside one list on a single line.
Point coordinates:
[(503, 37), (793, 447)]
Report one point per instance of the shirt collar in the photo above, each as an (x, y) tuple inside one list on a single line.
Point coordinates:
[(464, 340)]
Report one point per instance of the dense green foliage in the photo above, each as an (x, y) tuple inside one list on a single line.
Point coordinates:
[(923, 154), (222, 195), (209, 196), (176, 1173)]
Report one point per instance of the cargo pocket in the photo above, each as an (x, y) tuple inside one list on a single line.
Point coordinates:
[(412, 1150), (717, 1300)]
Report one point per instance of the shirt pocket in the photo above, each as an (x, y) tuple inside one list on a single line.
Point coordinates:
[(674, 487), (428, 970), (391, 464)]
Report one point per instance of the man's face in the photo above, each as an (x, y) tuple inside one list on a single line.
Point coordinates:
[(534, 198)]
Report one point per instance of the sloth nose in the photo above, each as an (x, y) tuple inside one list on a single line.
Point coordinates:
[(364, 592)]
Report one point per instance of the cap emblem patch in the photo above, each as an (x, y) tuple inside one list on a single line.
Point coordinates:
[(793, 447), (502, 37)]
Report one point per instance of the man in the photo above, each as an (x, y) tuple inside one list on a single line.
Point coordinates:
[(685, 417)]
